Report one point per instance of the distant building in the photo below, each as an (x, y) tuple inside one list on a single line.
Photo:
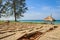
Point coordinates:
[(49, 19)]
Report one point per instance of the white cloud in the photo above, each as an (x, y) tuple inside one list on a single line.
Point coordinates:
[(46, 11), (31, 16), (31, 7), (47, 8), (34, 16)]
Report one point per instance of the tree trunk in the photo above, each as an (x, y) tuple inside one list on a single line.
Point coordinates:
[(15, 17), (14, 6), (0, 14)]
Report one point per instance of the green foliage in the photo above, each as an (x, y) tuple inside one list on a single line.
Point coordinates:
[(16, 7), (0, 1)]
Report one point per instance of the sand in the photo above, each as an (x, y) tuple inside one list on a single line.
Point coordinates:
[(13, 31), (52, 35)]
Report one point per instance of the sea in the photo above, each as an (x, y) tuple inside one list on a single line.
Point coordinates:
[(39, 21)]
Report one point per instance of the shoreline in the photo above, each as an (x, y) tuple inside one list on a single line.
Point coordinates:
[(32, 21)]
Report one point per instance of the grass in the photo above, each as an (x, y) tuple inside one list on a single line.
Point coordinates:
[(25, 22), (1, 22)]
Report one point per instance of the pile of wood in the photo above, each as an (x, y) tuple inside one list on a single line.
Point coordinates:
[(31, 36)]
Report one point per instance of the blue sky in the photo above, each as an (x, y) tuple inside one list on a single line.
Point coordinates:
[(39, 9)]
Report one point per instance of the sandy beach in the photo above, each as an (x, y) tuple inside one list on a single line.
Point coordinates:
[(17, 30), (29, 19)]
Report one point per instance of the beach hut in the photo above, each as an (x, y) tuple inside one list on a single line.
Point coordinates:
[(49, 19)]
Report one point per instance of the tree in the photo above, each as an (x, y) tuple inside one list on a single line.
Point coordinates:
[(0, 7), (16, 7)]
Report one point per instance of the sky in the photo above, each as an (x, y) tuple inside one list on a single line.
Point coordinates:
[(40, 9)]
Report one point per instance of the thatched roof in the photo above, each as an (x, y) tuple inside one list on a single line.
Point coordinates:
[(49, 18)]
